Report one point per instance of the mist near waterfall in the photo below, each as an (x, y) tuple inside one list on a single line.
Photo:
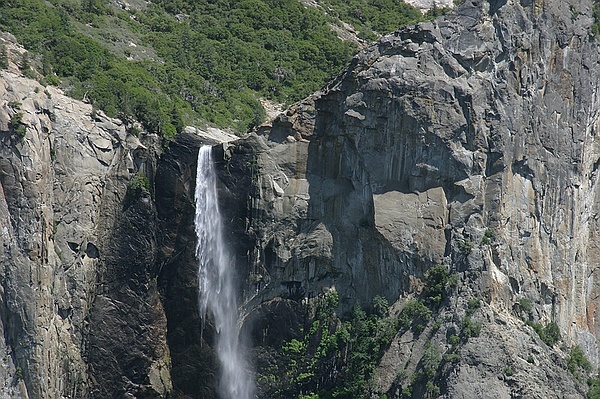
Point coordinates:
[(216, 282)]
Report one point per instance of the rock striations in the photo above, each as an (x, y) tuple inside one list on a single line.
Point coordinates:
[(469, 141), (80, 312)]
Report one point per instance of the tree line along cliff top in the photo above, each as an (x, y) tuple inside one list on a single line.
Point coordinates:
[(169, 63)]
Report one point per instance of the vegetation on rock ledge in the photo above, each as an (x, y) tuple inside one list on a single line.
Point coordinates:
[(337, 357)]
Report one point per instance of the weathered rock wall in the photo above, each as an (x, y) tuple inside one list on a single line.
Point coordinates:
[(80, 311), (468, 141)]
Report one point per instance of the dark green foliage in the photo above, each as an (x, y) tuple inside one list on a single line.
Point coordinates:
[(372, 17), (549, 334), (212, 66), (138, 186), (438, 281), (454, 340), (594, 391), (381, 306), (577, 363), (25, 66), (436, 11), (526, 304), (596, 15), (333, 359), (472, 305), (3, 57), (530, 359), (465, 246), (415, 315), (470, 328), (16, 125), (427, 369), (452, 357), (488, 236)]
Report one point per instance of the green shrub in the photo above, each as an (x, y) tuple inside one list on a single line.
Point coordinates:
[(596, 15), (333, 358), (594, 388), (454, 340), (465, 246), (526, 304), (372, 17), (488, 236), (426, 372), (3, 57), (436, 11), (472, 305), (470, 328), (438, 281), (381, 306), (17, 126), (414, 315), (52, 80), (452, 357), (549, 334), (138, 186), (577, 362)]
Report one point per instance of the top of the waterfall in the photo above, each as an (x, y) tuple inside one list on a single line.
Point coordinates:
[(211, 135), (426, 5)]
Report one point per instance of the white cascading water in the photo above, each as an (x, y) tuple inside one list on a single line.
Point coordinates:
[(216, 283)]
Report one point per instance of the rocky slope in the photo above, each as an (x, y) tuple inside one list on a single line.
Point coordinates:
[(468, 142)]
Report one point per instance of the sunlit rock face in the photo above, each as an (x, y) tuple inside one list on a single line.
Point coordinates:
[(426, 5), (81, 315), (468, 141)]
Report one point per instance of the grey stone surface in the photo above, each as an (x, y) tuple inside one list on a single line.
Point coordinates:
[(72, 325), (468, 141), (480, 123)]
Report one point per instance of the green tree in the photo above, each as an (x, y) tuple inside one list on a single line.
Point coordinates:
[(438, 281), (577, 362), (25, 64), (3, 57)]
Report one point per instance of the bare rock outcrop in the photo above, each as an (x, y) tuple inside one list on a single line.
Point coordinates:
[(80, 311), (468, 141)]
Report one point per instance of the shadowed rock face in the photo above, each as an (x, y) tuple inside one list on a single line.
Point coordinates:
[(468, 141)]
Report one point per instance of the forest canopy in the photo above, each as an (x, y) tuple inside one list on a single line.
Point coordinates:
[(175, 62)]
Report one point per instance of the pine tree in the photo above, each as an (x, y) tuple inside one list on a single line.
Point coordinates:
[(25, 64), (3, 57)]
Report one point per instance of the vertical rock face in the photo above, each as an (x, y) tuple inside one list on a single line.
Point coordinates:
[(80, 311), (469, 141)]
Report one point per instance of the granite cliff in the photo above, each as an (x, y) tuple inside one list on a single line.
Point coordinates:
[(467, 142)]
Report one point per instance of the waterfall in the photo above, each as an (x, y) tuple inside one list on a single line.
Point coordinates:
[(216, 283)]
